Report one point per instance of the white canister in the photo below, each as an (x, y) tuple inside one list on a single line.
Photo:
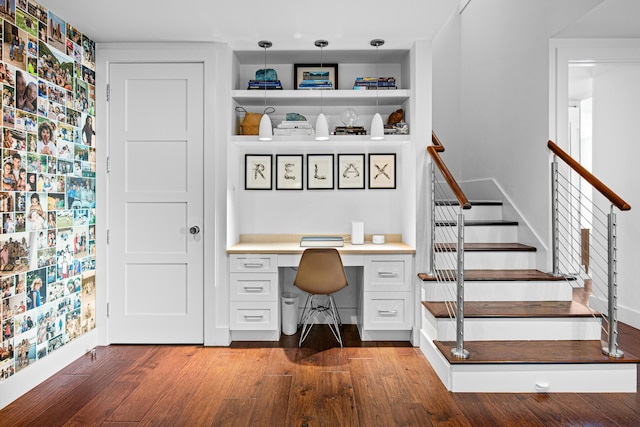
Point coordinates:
[(357, 232), (378, 239)]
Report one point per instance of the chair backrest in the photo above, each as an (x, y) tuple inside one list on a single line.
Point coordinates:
[(320, 271)]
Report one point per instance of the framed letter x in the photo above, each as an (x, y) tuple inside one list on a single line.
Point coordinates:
[(382, 171)]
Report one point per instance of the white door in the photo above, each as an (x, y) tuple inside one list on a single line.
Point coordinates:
[(155, 188)]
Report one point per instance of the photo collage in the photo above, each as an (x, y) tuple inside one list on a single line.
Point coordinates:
[(47, 199)]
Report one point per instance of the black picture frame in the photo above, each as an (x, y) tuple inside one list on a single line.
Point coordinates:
[(258, 172), (320, 172), (289, 172), (300, 69), (382, 171), (351, 171)]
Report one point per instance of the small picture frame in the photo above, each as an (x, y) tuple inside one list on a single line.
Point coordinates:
[(258, 171), (382, 171), (289, 172), (302, 72), (320, 172), (351, 171)]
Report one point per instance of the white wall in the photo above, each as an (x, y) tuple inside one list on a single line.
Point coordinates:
[(504, 107), (446, 92), (616, 149), (316, 211), (491, 100)]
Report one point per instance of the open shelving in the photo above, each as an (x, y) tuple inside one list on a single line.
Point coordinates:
[(351, 64)]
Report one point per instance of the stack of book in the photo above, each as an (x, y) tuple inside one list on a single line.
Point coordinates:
[(293, 127), (350, 130), (264, 84), (364, 83), (315, 84)]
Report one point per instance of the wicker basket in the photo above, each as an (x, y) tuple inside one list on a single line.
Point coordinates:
[(250, 124)]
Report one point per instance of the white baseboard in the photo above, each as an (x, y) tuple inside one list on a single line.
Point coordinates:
[(629, 316)]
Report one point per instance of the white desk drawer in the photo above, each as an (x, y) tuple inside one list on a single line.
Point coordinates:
[(254, 315), (253, 287), (388, 274), (253, 263), (387, 310)]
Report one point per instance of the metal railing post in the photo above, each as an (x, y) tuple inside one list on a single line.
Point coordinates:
[(555, 238), (612, 348), (432, 253), (459, 351)]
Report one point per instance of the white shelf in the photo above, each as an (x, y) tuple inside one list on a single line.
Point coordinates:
[(368, 55), (335, 141), (341, 98)]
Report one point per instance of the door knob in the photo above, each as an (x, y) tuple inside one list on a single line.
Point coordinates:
[(194, 230)]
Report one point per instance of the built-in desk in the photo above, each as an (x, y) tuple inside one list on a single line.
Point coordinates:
[(385, 291)]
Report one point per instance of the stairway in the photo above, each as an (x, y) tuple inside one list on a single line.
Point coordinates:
[(525, 330)]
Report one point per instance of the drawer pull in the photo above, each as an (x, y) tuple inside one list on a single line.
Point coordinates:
[(253, 317), (387, 274), (253, 264), (253, 289), (387, 312)]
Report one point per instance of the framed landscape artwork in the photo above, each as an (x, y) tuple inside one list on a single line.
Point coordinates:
[(312, 76)]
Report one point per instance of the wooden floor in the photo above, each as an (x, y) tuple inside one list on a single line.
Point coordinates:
[(277, 384)]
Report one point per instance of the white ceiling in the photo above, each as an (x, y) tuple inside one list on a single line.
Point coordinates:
[(347, 24), (291, 25)]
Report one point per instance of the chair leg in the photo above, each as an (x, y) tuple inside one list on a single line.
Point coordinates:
[(330, 313), (304, 310), (335, 323), (307, 312), (335, 309)]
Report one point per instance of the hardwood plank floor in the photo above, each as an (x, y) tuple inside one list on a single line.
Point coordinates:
[(496, 275), (517, 309), (277, 384)]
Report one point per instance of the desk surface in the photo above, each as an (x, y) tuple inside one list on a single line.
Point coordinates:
[(289, 244)]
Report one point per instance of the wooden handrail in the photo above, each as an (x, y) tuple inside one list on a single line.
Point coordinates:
[(433, 151), (589, 177), (436, 142)]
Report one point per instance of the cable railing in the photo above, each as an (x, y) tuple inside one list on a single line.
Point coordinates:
[(584, 238), (448, 203)]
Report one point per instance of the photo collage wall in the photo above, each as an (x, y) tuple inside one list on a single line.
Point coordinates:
[(47, 200)]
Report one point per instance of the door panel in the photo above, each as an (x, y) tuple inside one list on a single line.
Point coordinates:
[(144, 281), (155, 197), (172, 153)]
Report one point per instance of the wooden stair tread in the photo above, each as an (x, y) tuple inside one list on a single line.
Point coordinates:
[(513, 309), (497, 275), (484, 247), (527, 352), (476, 222)]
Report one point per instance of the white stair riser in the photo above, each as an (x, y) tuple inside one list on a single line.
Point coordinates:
[(503, 329), (493, 212), (489, 260), (480, 234), (531, 377), (500, 291)]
